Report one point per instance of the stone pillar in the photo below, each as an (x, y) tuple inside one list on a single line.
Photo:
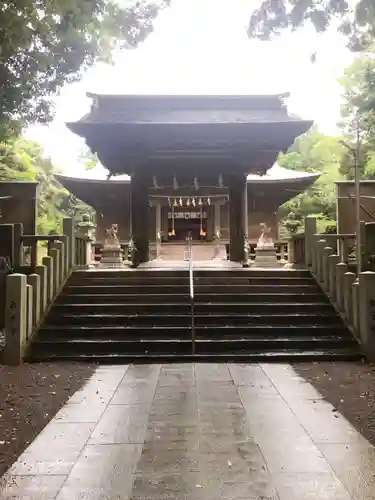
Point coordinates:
[(158, 229), (333, 260), (42, 272), (140, 215), (68, 230), (319, 259), (216, 216), (18, 246), (355, 307), (367, 313), (58, 245), (341, 269), (310, 230), (55, 254), (246, 226), (15, 319), (48, 263), (349, 279), (34, 281), (86, 227), (327, 252), (237, 217), (29, 311)]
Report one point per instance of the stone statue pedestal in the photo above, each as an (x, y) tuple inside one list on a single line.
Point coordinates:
[(266, 257), (112, 256)]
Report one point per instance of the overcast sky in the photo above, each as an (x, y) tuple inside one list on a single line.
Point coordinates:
[(201, 47)]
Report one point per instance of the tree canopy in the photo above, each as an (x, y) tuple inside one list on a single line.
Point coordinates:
[(319, 153), (356, 20), (358, 115), (46, 43), (23, 160)]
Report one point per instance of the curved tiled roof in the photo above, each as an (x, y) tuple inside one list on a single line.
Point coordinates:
[(277, 173)]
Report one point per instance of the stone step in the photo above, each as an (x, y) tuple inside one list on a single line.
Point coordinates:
[(131, 280), (58, 317), (229, 288), (109, 298), (145, 280), (252, 298), (270, 356), (316, 307), (140, 333), (166, 345), (240, 315), (129, 272)]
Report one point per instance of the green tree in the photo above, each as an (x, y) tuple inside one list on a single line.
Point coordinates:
[(319, 153), (46, 43), (356, 21), (24, 160), (358, 116)]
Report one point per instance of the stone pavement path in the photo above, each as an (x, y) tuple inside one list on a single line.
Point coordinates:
[(195, 431)]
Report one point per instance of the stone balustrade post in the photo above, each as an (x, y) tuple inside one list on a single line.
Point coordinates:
[(291, 253), (355, 307), (41, 271), (349, 279), (343, 250), (320, 244), (65, 266), (327, 252), (86, 228), (58, 245), (29, 311), (18, 246), (366, 290), (69, 232), (370, 242), (15, 320), (48, 264), (364, 255), (34, 281), (54, 253), (310, 231), (333, 260), (313, 252), (341, 269)]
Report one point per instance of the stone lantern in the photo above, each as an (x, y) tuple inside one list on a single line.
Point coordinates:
[(87, 228)]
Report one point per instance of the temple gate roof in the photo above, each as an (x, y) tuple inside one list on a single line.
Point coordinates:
[(172, 133), (275, 188)]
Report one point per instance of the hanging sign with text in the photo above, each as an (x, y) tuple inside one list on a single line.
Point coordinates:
[(187, 215)]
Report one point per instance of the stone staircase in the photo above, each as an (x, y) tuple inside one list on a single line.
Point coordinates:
[(200, 251), (145, 315)]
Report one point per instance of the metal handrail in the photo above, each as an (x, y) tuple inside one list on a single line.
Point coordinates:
[(191, 291)]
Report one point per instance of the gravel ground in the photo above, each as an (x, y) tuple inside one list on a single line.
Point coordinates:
[(30, 396), (349, 387)]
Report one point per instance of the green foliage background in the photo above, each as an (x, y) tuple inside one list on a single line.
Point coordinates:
[(24, 160)]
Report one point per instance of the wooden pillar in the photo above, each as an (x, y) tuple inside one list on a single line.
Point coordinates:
[(140, 215), (237, 217), (217, 224)]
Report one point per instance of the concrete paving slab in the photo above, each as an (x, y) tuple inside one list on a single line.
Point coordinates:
[(195, 431)]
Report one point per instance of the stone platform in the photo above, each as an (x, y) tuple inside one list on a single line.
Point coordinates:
[(195, 431), (266, 257)]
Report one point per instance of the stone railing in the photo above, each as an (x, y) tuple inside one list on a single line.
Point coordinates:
[(331, 259), (33, 286)]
